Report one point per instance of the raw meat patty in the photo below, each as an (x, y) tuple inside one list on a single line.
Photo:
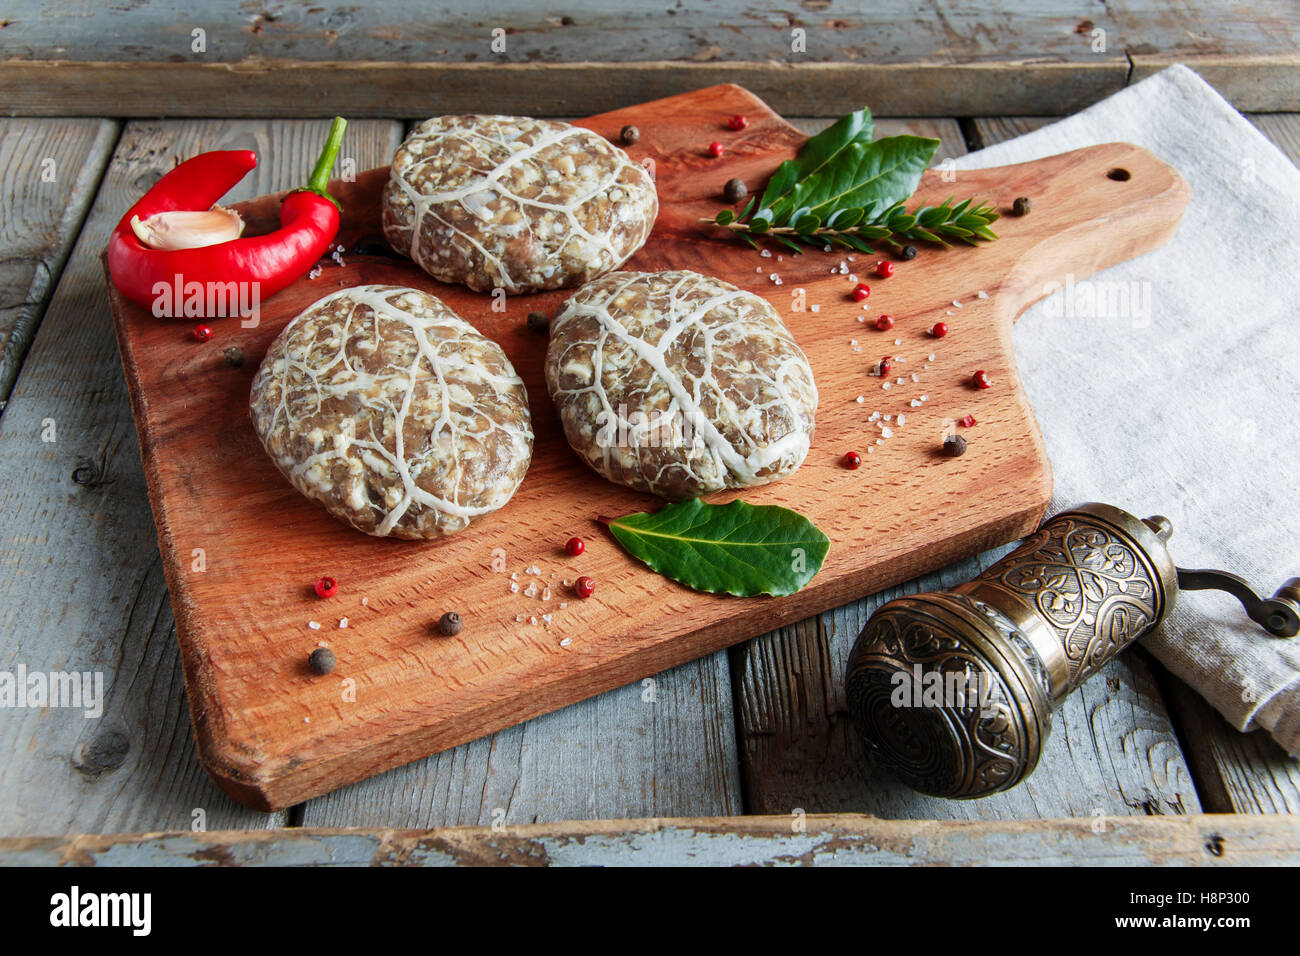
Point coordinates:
[(679, 384), (395, 414), (508, 202)]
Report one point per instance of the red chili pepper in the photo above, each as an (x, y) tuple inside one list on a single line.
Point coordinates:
[(309, 221)]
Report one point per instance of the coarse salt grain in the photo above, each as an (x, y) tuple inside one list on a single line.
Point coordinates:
[(514, 587), (915, 403), (546, 595), (314, 625), (546, 618), (915, 377), (816, 308), (956, 303), (343, 622), (563, 605), (861, 399), (900, 381), (365, 601), (533, 620), (566, 642), (766, 253), (930, 357), (982, 294), (315, 272), (902, 419), (889, 418), (886, 385), (898, 341), (534, 569), (886, 431)]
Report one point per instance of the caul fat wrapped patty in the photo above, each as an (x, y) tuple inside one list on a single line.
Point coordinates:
[(392, 412), (679, 384), (513, 203)]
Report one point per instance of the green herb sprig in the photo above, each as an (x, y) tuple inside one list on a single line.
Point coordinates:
[(846, 189)]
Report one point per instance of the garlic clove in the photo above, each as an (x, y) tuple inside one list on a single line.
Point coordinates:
[(187, 229)]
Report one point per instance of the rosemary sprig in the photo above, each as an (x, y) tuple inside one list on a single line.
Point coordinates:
[(846, 189), (965, 222)]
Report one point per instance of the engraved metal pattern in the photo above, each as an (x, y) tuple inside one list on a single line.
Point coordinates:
[(1094, 588), (1016, 640), (972, 749)]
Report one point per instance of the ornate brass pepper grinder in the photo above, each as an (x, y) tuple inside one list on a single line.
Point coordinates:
[(955, 690)]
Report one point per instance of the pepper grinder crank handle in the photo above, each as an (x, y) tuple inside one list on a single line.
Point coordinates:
[(955, 690)]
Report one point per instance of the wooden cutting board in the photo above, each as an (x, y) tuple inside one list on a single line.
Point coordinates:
[(242, 549)]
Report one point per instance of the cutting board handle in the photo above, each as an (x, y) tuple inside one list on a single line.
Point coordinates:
[(1092, 208)]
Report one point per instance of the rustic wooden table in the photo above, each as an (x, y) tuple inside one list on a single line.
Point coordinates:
[(760, 730)]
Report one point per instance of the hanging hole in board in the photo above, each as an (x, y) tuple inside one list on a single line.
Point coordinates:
[(1119, 174)]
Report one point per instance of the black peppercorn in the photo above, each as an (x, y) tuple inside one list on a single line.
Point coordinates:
[(629, 135), (1021, 206), (234, 357), (734, 191), (321, 661), (954, 446), (539, 322), (907, 252), (449, 624)]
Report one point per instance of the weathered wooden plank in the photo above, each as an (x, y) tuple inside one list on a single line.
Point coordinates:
[(1250, 54), (297, 88), (1112, 749), (657, 748), (83, 583), (48, 173), (887, 31), (403, 58), (830, 840)]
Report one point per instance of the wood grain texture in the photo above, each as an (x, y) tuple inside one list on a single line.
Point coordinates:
[(828, 840), (84, 589), (402, 58), (48, 173), (649, 748), (409, 31), (298, 88), (271, 735)]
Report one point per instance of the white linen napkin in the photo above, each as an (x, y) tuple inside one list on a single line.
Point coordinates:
[(1192, 411)]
